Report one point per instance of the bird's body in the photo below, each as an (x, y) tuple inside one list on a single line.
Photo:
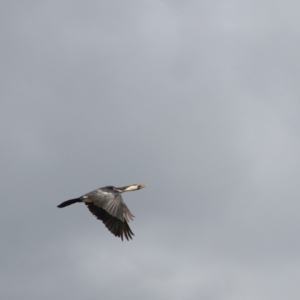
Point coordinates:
[(107, 205)]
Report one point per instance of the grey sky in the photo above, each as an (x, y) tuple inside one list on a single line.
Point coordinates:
[(197, 99)]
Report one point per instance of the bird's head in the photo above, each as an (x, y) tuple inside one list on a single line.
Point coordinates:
[(130, 188)]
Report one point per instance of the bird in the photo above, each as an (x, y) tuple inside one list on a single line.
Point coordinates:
[(107, 205)]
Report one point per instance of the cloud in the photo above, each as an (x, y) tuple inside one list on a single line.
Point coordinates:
[(197, 100)]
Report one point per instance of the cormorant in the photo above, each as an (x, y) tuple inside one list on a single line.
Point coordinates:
[(107, 205)]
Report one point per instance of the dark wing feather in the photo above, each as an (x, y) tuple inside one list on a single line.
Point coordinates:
[(115, 226)]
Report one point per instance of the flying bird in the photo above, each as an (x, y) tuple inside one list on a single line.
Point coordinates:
[(107, 205)]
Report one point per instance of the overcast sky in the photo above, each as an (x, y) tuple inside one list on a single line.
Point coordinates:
[(197, 99)]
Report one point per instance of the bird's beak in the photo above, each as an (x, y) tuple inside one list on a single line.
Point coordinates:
[(131, 188), (141, 186)]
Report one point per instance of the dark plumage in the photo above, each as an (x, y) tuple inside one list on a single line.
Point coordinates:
[(107, 205)]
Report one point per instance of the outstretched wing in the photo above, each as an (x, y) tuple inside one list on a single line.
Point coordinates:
[(113, 204), (116, 207), (114, 225)]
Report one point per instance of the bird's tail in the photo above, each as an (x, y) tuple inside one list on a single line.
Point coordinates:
[(69, 202)]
